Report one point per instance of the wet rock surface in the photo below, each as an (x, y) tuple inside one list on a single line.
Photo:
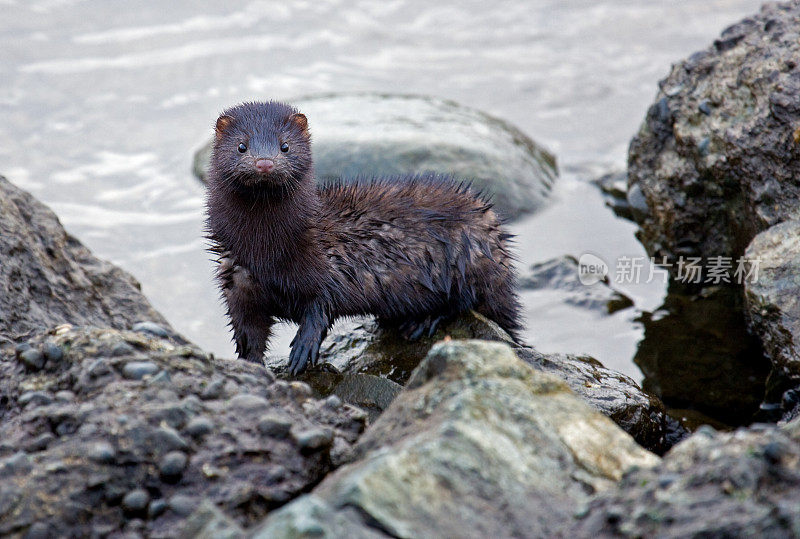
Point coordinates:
[(734, 484), (49, 278), (773, 301), (477, 441), (718, 156), (365, 134), (379, 362), (86, 449)]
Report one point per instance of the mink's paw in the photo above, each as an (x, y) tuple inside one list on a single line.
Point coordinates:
[(304, 351), (414, 329)]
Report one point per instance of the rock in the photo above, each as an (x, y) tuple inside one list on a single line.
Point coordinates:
[(627, 204), (152, 328), (313, 440), (136, 370), (32, 359), (561, 274), (117, 435), (208, 522), (773, 306), (136, 501), (368, 135), (359, 349), (49, 278), (172, 465), (718, 156), (477, 441), (274, 425), (714, 484)]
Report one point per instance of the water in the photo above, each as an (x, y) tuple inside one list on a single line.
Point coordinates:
[(103, 103)]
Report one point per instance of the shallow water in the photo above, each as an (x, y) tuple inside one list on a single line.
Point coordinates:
[(104, 102)]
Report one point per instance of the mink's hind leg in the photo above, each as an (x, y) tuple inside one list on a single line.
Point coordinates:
[(305, 345)]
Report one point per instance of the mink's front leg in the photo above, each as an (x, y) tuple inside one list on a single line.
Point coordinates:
[(252, 327), (305, 345)]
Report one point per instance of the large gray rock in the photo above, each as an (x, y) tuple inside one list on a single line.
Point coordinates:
[(49, 278), (773, 301), (718, 156), (732, 484), (479, 444), (364, 134), (377, 362), (86, 450)]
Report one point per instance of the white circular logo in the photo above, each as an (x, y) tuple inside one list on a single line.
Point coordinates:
[(591, 269)]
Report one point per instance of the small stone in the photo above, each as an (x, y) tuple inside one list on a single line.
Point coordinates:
[(136, 370), (35, 398), (312, 440), (274, 426), (199, 426), (64, 395), (774, 452), (32, 359), (704, 107), (182, 504), (52, 352), (136, 501), (168, 438), (248, 401), (20, 348), (300, 390), (40, 443), (157, 507), (172, 465), (152, 328), (102, 452), (122, 349)]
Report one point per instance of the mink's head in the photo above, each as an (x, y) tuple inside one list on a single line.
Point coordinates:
[(262, 146)]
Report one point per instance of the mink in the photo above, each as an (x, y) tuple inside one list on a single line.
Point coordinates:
[(411, 250)]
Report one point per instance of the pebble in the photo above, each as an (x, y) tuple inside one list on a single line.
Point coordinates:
[(214, 389), (21, 347), (199, 426), (53, 352), (274, 426), (313, 439), (64, 395), (332, 402), (300, 390), (136, 370), (16, 464), (157, 507), (150, 327), (169, 438), (122, 349), (136, 501), (36, 398), (40, 443), (32, 359), (172, 465), (248, 401), (182, 504), (102, 452)]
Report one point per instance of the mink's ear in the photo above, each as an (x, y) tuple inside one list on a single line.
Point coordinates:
[(300, 120), (223, 123)]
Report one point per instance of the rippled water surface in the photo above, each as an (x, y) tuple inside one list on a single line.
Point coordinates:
[(103, 103)]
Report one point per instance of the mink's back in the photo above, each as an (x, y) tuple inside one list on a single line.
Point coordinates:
[(410, 245)]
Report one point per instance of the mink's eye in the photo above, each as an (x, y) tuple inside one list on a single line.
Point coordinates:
[(242, 147), (284, 147)]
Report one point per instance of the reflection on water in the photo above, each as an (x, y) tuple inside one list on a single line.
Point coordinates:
[(698, 355), (104, 102)]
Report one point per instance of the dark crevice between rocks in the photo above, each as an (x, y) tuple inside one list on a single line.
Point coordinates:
[(699, 357)]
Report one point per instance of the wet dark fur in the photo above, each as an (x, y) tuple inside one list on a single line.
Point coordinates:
[(409, 250)]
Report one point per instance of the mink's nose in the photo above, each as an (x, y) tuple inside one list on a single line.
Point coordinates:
[(265, 166)]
